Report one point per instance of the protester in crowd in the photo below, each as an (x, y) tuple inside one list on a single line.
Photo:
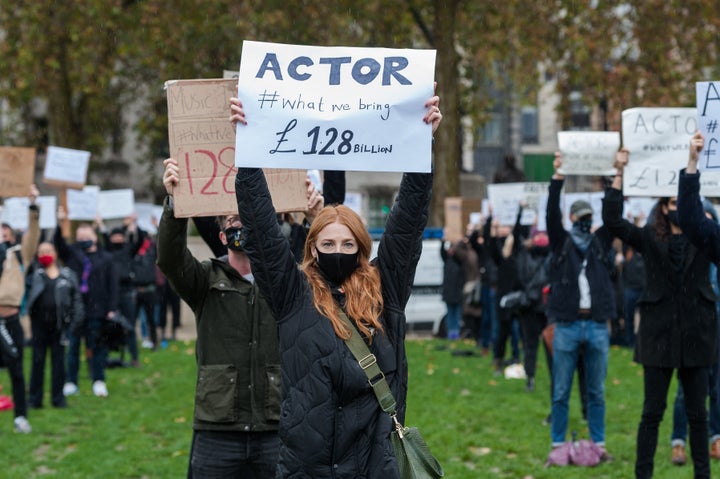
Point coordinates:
[(678, 456), (14, 260), (488, 278), (509, 172), (331, 423), (144, 278), (55, 308), (123, 243), (452, 287), (678, 324), (503, 251), (532, 274), (99, 289), (472, 290), (580, 303), (166, 297), (237, 396)]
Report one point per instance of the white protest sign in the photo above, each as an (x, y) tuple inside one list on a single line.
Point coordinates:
[(83, 204), (658, 141), (708, 112), (353, 200), (114, 204), (334, 108), (66, 167), (505, 199), (638, 208), (594, 198), (588, 152), (15, 212), (148, 215), (542, 212)]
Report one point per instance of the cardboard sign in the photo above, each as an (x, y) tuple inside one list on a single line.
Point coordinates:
[(457, 216), (335, 108), (505, 199), (83, 204), (66, 168), (588, 152), (114, 204), (708, 111), (17, 170), (203, 143), (15, 212), (658, 140)]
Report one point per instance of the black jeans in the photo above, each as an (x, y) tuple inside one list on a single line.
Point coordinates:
[(46, 335), (532, 324), (695, 385), (15, 366), (221, 454)]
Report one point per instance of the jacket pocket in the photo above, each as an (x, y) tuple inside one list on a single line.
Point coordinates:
[(216, 393), (272, 392)]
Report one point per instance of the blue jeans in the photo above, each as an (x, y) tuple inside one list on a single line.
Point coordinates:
[(97, 354), (594, 340), (680, 421), (630, 299), (453, 318), (488, 322), (221, 454)]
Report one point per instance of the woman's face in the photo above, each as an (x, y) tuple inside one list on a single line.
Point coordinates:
[(335, 238)]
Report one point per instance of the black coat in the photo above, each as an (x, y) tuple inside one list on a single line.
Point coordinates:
[(453, 276), (678, 325), (331, 425)]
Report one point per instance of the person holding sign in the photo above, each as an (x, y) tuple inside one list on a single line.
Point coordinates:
[(581, 302), (14, 261), (678, 325), (331, 424), (237, 396)]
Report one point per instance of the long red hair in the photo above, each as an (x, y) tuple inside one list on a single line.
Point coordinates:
[(363, 296)]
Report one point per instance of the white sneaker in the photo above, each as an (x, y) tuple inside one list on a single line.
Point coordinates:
[(69, 389), (100, 389), (147, 344), (22, 425)]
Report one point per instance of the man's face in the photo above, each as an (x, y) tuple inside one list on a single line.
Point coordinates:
[(85, 233), (8, 235)]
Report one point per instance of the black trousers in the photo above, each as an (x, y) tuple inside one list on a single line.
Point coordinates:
[(695, 385), (15, 366), (47, 336), (532, 324)]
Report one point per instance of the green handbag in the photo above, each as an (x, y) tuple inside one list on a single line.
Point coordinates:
[(412, 454)]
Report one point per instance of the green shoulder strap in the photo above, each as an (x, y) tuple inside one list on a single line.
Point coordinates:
[(369, 364)]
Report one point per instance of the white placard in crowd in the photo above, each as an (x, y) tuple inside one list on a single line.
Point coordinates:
[(505, 200), (335, 108), (83, 204), (113, 204), (148, 215), (353, 200), (588, 152), (542, 212), (708, 113), (15, 212), (638, 208), (65, 166), (594, 198), (658, 140)]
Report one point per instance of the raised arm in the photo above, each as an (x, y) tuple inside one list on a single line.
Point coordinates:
[(701, 230), (31, 237), (556, 230), (401, 243), (616, 225), (185, 273)]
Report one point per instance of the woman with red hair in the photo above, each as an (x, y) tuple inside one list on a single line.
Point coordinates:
[(330, 422)]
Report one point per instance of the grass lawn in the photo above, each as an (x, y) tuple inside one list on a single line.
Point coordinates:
[(477, 425)]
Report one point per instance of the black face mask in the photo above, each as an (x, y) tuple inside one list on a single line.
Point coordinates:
[(672, 216), (235, 238), (337, 266), (85, 245)]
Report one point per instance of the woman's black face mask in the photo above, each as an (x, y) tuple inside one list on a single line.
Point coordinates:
[(337, 266)]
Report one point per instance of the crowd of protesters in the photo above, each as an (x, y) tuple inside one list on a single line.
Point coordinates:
[(89, 289)]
